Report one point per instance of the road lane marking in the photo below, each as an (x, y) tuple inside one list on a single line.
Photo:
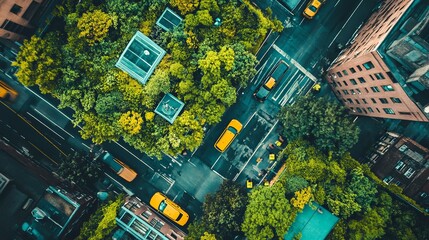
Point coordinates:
[(38, 149), (215, 162), (31, 115), (52, 122), (287, 94), (295, 63), (268, 49), (280, 93), (254, 152), (345, 23), (129, 192), (337, 3)]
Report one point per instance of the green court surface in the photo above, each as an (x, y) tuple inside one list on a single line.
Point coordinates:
[(314, 223)]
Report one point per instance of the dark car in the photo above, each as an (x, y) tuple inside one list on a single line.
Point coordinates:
[(261, 93)]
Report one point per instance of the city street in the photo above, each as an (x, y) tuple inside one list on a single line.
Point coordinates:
[(42, 132)]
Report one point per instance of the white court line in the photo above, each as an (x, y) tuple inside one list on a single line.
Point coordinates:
[(52, 122), (345, 23), (46, 126), (254, 152), (277, 94)]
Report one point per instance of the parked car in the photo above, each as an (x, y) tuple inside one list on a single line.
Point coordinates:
[(312, 8), (261, 93), (169, 209), (6, 92), (119, 167), (228, 135)]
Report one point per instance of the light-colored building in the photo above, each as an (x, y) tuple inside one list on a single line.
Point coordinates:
[(384, 72)]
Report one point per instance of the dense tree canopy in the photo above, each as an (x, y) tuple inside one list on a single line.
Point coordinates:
[(268, 214), (223, 213), (203, 67), (321, 122), (80, 169)]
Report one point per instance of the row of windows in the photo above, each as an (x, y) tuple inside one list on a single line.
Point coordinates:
[(371, 110), (378, 76), (382, 100), (375, 89), (368, 65)]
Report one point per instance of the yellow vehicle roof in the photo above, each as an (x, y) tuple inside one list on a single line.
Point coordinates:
[(234, 127), (5, 89), (271, 82), (170, 210)]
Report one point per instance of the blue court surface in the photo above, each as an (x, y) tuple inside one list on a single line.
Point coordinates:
[(314, 223)]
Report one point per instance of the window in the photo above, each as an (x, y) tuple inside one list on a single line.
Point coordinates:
[(338, 92), (146, 214), (359, 68), (379, 76), (353, 81), (361, 80), (409, 173), (368, 65), (388, 111), (405, 113), (364, 110), (423, 195), (399, 165), (395, 100), (378, 110), (364, 101), (346, 92), (350, 100), (366, 90), (387, 88), (373, 100), (370, 109), (398, 183), (334, 84), (352, 70), (357, 101), (372, 78), (339, 84), (345, 72), (383, 100), (339, 74), (358, 91), (15, 9), (388, 179), (345, 83), (375, 89), (359, 110)]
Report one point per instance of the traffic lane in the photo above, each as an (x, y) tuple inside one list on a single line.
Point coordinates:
[(32, 134)]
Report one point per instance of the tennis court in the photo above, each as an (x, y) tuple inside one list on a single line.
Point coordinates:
[(314, 223)]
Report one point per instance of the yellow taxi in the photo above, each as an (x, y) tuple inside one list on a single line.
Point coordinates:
[(231, 131), (312, 8), (7, 93), (170, 209)]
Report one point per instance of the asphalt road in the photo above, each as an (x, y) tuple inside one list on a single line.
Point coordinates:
[(307, 46)]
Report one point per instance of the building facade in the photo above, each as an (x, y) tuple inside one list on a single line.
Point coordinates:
[(399, 160), (142, 222), (384, 71)]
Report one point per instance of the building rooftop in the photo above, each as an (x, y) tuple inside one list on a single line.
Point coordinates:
[(140, 57), (169, 107), (314, 222), (406, 47), (142, 222), (169, 20), (53, 214)]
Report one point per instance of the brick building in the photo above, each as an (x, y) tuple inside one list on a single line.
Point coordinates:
[(139, 221), (384, 71), (399, 160), (18, 18)]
